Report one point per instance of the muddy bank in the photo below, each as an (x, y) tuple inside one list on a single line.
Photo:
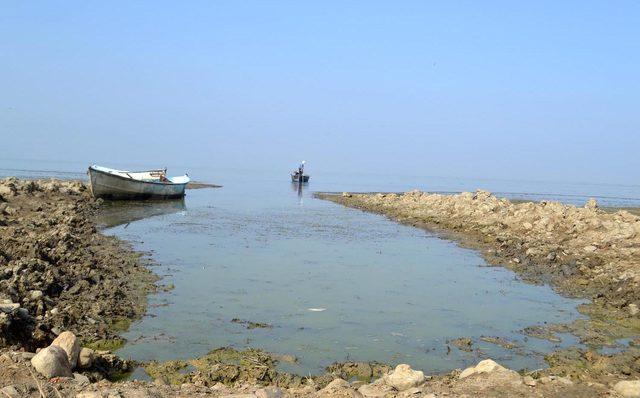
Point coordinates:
[(57, 272)]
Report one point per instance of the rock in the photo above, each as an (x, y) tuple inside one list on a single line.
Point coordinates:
[(269, 392), (85, 359), (375, 390), (346, 195), (633, 309), (27, 355), (338, 388), (486, 366), (10, 391), (69, 342), (9, 307), (403, 377), (89, 394), (158, 382), (628, 388), (529, 381), (52, 362), (463, 344), (36, 295), (590, 248), (591, 204), (81, 379), (337, 384), (411, 392)]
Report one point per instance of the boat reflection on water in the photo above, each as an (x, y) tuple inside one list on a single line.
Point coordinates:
[(112, 214), (297, 187)]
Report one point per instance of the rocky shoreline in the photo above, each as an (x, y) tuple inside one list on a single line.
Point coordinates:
[(57, 272), (66, 291)]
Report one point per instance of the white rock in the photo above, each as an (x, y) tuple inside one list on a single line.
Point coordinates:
[(85, 359), (70, 344), (628, 388), (52, 362), (486, 366), (269, 392), (9, 307), (403, 377), (89, 394), (633, 309)]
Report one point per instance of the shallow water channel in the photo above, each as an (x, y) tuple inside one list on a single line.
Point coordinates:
[(334, 283)]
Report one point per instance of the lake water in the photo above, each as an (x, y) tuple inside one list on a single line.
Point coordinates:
[(335, 283)]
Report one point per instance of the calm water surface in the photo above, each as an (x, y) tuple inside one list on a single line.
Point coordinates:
[(334, 283)]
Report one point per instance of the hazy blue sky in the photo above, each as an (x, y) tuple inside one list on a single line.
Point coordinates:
[(545, 90)]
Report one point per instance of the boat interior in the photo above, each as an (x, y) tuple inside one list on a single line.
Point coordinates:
[(159, 175)]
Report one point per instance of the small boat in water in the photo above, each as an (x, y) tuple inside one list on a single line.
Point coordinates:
[(298, 175), (120, 184)]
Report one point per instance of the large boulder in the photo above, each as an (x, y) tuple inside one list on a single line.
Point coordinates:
[(52, 362), (628, 388), (70, 344), (403, 377)]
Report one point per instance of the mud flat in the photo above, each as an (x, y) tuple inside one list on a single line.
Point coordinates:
[(58, 275)]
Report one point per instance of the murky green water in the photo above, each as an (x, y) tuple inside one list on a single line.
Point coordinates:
[(334, 283)]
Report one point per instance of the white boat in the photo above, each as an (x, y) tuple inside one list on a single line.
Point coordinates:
[(120, 184)]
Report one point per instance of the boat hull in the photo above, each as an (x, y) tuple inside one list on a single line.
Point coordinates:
[(295, 178), (111, 186)]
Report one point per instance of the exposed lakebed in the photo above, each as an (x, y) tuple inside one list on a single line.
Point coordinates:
[(273, 268)]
